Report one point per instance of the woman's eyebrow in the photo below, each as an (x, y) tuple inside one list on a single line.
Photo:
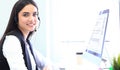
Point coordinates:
[(25, 12), (32, 12)]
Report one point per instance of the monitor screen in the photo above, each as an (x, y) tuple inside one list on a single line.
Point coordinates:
[(96, 42)]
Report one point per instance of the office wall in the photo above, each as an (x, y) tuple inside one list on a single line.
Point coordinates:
[(5, 7), (39, 38), (71, 23)]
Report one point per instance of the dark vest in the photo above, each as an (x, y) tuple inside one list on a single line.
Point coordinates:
[(3, 62)]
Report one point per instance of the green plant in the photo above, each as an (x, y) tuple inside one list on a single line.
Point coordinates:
[(116, 63)]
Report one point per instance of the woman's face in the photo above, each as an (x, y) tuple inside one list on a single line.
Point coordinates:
[(28, 18)]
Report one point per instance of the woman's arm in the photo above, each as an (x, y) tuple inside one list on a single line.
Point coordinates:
[(13, 53), (42, 62)]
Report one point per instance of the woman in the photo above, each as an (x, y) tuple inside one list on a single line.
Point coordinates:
[(16, 52)]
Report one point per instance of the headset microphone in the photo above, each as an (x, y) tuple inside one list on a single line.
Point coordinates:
[(39, 18), (38, 24)]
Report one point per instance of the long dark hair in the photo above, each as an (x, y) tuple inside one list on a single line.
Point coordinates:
[(13, 21)]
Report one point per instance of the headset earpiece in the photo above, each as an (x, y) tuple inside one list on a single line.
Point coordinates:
[(15, 19)]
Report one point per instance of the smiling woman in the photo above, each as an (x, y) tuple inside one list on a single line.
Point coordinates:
[(16, 51), (28, 18)]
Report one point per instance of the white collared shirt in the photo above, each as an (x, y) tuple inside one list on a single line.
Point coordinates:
[(12, 51)]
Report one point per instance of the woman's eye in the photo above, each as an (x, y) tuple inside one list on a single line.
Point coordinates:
[(35, 14), (25, 14)]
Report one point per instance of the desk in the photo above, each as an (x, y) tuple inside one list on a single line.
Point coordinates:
[(76, 64), (85, 65)]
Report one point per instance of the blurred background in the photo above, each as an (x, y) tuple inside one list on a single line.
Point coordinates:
[(66, 27)]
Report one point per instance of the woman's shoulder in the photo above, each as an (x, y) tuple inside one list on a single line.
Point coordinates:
[(11, 44), (12, 39)]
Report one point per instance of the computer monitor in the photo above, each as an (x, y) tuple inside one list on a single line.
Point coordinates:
[(95, 46)]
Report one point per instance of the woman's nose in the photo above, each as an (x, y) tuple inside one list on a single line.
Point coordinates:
[(31, 18)]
